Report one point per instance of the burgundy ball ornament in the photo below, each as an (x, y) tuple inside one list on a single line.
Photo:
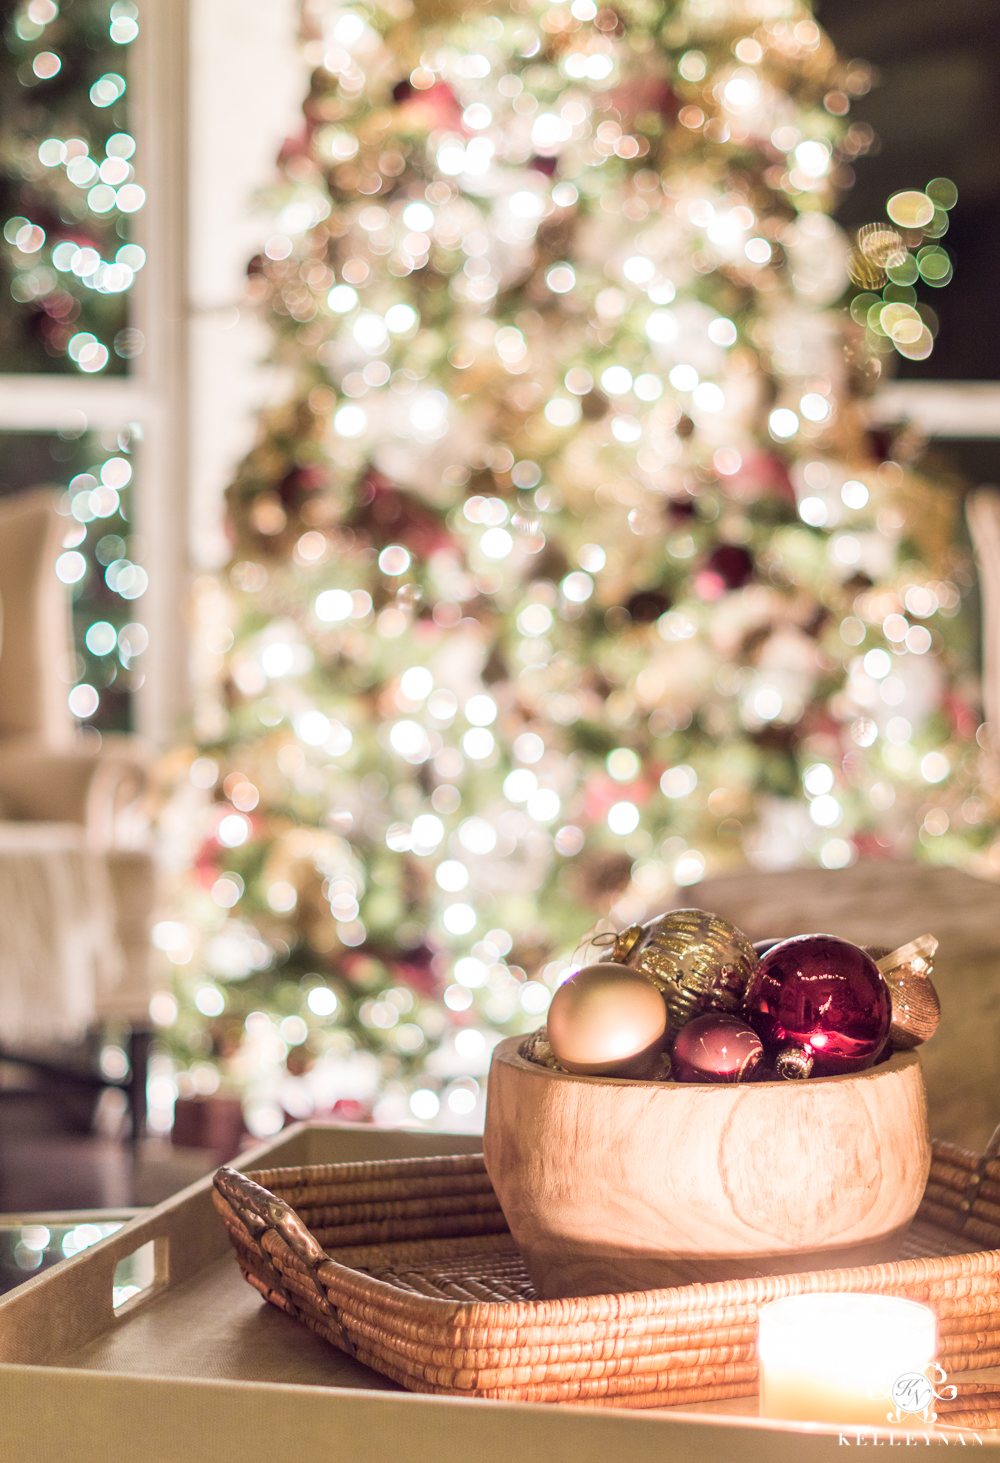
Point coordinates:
[(820, 1005), (717, 1048), (608, 1021)]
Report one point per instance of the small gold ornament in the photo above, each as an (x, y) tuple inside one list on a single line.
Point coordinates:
[(916, 1009), (793, 1064), (699, 961), (882, 245), (536, 1048)]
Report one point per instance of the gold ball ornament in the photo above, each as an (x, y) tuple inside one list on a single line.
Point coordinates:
[(793, 1064), (608, 1021), (699, 961), (916, 1009)]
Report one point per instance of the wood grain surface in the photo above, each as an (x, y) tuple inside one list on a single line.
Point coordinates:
[(612, 1185)]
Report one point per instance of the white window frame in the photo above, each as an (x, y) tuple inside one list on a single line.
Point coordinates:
[(154, 395)]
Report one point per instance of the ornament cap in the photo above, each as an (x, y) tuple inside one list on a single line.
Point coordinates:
[(793, 1063), (625, 942), (919, 953)]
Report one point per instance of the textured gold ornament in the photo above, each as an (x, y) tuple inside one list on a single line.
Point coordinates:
[(916, 1009), (882, 245), (864, 271), (698, 960)]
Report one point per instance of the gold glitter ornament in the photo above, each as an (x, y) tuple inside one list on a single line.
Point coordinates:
[(882, 245), (699, 961)]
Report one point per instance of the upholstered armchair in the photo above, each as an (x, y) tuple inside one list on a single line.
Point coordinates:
[(76, 883)]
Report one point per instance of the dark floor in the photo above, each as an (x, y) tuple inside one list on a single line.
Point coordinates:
[(45, 1165)]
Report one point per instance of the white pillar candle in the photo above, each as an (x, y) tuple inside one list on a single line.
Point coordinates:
[(834, 1358)]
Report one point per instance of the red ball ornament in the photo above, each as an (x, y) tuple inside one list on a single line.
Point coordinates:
[(716, 1048), (821, 1004)]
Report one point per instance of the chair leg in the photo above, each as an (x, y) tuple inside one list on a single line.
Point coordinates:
[(138, 1056)]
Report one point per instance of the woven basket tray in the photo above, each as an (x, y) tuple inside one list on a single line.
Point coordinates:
[(410, 1267)]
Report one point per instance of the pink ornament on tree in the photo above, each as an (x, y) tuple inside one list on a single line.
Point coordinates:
[(821, 1005)]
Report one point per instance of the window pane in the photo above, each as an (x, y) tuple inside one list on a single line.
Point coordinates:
[(69, 188), (107, 582)]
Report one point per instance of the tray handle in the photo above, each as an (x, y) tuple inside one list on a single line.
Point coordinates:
[(260, 1211)]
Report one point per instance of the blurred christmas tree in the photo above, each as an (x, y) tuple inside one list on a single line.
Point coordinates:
[(569, 571)]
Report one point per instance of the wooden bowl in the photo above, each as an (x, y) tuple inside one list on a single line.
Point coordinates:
[(612, 1185)]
